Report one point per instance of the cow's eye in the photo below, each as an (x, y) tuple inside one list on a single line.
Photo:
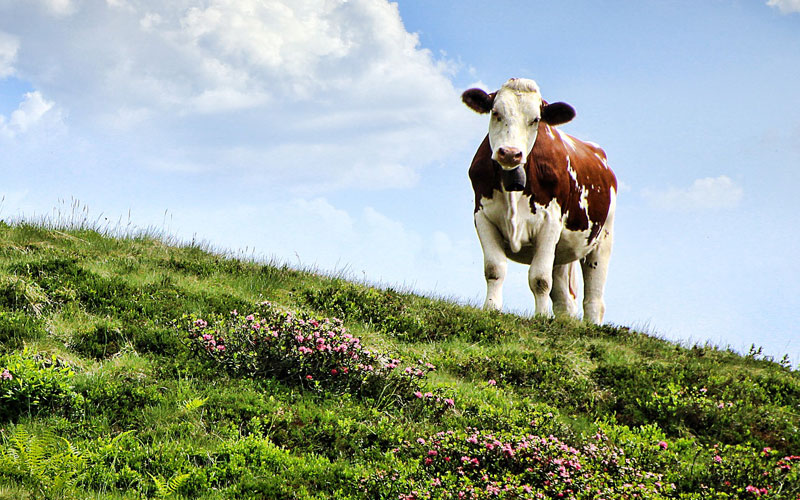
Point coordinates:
[(496, 115), (533, 122)]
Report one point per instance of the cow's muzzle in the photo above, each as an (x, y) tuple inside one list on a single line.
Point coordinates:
[(514, 179), (508, 157)]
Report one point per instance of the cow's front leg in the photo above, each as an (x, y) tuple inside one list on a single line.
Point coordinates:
[(540, 274), (495, 261)]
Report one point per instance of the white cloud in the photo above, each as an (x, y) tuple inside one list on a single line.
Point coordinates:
[(9, 46), (785, 6), (58, 7), (337, 88), (30, 112), (710, 193)]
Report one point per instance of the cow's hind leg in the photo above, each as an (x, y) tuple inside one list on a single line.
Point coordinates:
[(495, 262), (595, 270), (564, 292)]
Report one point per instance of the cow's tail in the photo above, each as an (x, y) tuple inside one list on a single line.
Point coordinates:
[(573, 279)]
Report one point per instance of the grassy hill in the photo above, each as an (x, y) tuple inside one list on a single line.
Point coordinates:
[(130, 368)]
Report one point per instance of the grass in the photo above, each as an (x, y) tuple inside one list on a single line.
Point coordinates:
[(110, 399)]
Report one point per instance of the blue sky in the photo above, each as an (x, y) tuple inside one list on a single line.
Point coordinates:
[(330, 133)]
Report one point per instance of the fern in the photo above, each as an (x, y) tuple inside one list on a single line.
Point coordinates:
[(192, 404), (48, 463), (169, 488)]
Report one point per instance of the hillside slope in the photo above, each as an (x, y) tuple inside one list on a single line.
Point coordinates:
[(130, 368)]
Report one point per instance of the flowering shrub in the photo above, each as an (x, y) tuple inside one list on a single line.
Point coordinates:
[(744, 472), (315, 353), (478, 464)]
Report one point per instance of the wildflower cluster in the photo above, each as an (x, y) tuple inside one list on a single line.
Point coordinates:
[(316, 353), (744, 472), (476, 464)]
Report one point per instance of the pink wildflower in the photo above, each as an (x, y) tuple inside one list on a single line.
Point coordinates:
[(663, 445), (250, 317), (309, 377), (449, 402), (492, 381), (418, 394), (717, 458), (6, 375), (220, 347)]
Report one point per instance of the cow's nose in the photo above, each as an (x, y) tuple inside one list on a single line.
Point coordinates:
[(509, 156)]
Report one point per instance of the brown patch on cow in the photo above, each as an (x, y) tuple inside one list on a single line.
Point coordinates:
[(549, 179), (484, 173)]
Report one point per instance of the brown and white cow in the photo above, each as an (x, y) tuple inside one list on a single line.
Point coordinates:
[(542, 198)]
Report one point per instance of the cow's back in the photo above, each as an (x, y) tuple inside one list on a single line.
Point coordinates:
[(576, 174)]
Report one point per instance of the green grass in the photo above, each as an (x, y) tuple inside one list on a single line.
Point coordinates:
[(109, 400)]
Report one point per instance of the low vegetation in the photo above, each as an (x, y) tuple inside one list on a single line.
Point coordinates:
[(131, 368)]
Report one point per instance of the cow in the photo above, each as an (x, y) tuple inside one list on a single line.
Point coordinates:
[(542, 198)]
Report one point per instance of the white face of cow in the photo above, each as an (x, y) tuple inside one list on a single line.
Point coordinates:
[(515, 110), (514, 122)]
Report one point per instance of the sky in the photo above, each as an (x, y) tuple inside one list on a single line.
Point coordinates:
[(330, 134)]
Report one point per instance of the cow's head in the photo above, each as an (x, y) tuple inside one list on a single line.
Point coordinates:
[(516, 110)]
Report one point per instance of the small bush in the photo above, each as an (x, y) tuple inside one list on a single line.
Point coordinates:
[(16, 327), (30, 383), (121, 396), (99, 342), (20, 295)]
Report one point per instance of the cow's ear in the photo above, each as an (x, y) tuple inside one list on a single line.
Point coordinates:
[(478, 100), (557, 113)]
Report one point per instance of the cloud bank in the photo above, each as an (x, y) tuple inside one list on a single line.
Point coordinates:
[(785, 6), (336, 89)]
